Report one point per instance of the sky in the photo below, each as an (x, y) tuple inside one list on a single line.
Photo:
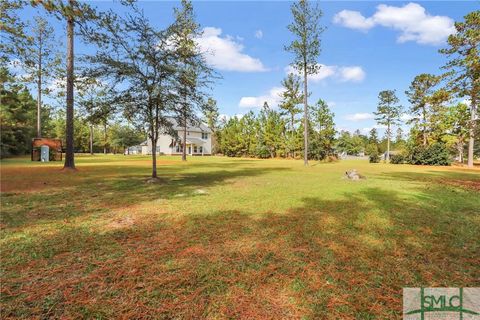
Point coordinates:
[(367, 47)]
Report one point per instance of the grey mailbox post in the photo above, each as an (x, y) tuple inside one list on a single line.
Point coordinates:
[(44, 153)]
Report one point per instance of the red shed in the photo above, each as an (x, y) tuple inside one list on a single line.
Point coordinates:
[(55, 146)]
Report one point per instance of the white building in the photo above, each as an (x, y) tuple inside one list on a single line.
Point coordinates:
[(199, 142)]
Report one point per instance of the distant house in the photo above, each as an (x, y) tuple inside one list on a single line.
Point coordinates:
[(199, 142)]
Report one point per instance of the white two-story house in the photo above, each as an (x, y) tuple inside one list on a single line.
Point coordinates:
[(199, 142)]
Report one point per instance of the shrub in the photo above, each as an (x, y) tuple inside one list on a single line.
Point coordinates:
[(374, 158), (436, 154), (262, 152), (397, 159)]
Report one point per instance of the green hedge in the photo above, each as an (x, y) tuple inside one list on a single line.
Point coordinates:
[(436, 154)]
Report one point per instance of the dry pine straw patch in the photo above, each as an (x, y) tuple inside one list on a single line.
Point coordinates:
[(322, 260)]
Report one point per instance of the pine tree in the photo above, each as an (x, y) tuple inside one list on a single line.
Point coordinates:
[(463, 68), (324, 132), (306, 49), (272, 128), (193, 73), (388, 113), (291, 98), (75, 13), (419, 93)]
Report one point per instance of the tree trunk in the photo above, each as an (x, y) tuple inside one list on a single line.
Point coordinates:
[(292, 152), (69, 154), (460, 151), (471, 133), (184, 152), (424, 127), (154, 158), (305, 115), (105, 138), (91, 139), (387, 158), (39, 88)]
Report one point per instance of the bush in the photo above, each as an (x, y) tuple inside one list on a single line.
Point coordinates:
[(262, 152), (398, 159), (374, 158), (436, 154)]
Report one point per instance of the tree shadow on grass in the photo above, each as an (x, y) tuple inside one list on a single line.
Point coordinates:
[(431, 176), (103, 190), (326, 259)]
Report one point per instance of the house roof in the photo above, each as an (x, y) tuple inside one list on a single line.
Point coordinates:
[(195, 140), (197, 128)]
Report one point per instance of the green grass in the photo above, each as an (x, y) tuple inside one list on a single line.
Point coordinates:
[(223, 238)]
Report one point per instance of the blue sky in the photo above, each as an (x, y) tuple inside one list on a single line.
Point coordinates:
[(367, 47)]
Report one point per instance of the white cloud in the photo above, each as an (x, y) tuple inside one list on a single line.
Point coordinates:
[(355, 74), (353, 20), (359, 116), (413, 22), (344, 74), (259, 34), (377, 126), (273, 97), (224, 53)]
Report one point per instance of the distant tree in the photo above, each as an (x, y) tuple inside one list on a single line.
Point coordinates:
[(212, 120), (456, 128), (95, 104), (230, 139), (371, 147), (39, 59), (438, 102), (16, 116), (388, 113), (419, 93), (306, 49), (250, 137), (271, 132), (399, 135), (124, 136), (463, 68), (350, 144), (373, 136), (323, 137), (291, 98)]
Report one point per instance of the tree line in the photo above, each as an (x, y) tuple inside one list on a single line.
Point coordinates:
[(142, 75)]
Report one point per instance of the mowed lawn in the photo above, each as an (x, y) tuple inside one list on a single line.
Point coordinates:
[(224, 238)]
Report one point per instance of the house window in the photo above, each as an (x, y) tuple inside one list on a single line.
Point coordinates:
[(204, 135), (194, 149), (201, 149), (188, 133)]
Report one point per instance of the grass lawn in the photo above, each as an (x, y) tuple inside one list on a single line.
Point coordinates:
[(223, 238)]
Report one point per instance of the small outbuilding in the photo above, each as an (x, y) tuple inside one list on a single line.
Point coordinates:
[(45, 149)]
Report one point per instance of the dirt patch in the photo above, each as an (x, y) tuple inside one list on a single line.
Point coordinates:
[(465, 184), (120, 223)]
